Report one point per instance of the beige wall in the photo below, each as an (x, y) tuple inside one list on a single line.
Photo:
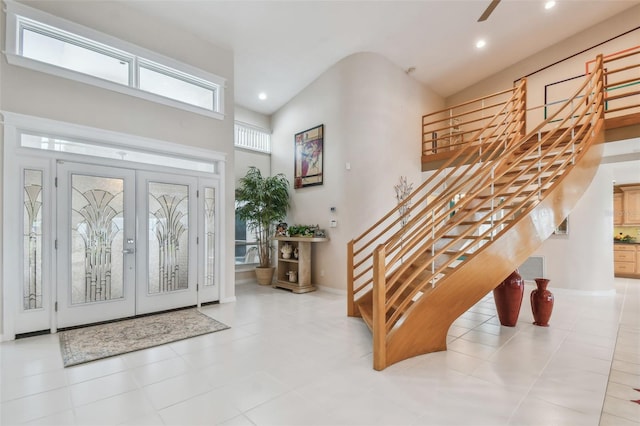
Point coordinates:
[(370, 109), (30, 92)]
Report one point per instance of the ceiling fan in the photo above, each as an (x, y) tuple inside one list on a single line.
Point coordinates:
[(488, 10)]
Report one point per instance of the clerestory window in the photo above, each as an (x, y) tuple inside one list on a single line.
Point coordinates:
[(46, 43)]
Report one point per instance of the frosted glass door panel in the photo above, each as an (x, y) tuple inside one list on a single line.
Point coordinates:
[(168, 237), (208, 249), (168, 260), (97, 241), (32, 233)]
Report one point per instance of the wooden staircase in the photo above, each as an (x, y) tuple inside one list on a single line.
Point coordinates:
[(489, 206)]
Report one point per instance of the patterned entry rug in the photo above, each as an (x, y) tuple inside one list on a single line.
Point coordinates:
[(86, 344)]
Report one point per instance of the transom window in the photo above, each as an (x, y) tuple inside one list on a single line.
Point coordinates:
[(251, 137), (49, 44)]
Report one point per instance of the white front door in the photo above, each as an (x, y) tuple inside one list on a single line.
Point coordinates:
[(100, 226), (96, 243), (167, 252), (132, 242)]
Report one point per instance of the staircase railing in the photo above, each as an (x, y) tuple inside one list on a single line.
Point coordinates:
[(493, 137), (478, 194)]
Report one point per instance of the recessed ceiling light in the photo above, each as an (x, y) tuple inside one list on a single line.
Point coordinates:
[(549, 5), (480, 44), (262, 96)]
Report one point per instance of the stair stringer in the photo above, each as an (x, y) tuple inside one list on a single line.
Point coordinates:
[(424, 326)]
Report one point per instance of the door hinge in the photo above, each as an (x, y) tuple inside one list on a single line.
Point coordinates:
[(55, 306), (197, 287), (197, 193), (197, 240), (55, 244), (55, 181)]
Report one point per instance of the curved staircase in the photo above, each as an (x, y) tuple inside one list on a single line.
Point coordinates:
[(475, 219)]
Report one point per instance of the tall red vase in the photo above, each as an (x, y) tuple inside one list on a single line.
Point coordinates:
[(508, 297), (541, 303)]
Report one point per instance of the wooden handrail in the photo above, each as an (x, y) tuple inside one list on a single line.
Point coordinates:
[(480, 99), (458, 164), (470, 210), (499, 175)]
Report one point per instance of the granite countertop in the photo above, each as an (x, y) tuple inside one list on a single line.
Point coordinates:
[(626, 242)]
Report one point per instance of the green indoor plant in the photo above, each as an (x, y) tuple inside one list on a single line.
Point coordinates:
[(262, 203)]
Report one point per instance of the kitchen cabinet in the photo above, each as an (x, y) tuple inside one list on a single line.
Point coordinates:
[(294, 268), (626, 260), (630, 205), (617, 208)]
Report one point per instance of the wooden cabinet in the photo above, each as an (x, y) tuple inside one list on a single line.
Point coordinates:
[(617, 208), (626, 260), (629, 205), (294, 270)]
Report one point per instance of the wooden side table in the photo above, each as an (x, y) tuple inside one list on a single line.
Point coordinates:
[(294, 273)]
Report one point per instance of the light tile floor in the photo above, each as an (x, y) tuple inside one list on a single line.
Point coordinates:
[(298, 360)]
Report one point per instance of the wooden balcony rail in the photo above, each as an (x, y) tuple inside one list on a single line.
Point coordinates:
[(490, 181)]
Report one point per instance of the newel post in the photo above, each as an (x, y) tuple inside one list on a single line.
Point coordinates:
[(351, 305), (379, 311)]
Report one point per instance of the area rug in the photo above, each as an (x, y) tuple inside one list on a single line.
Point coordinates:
[(86, 344)]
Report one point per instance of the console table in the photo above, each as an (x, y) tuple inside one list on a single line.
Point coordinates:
[(299, 267)]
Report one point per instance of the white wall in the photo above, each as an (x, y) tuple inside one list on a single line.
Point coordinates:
[(371, 113), (248, 116), (583, 259), (34, 93), (245, 158)]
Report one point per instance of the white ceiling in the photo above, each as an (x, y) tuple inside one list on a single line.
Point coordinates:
[(282, 46)]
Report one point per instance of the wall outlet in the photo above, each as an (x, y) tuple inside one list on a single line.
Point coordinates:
[(333, 223)]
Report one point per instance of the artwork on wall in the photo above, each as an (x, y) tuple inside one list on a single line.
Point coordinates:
[(309, 157)]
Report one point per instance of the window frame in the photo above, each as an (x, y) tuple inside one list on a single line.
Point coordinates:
[(19, 16), (252, 138)]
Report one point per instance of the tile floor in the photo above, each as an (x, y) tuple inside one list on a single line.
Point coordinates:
[(298, 360)]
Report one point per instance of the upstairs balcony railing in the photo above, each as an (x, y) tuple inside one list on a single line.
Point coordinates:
[(453, 128)]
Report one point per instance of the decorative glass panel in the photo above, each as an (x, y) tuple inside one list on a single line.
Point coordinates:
[(32, 255), (96, 238), (168, 237), (209, 232)]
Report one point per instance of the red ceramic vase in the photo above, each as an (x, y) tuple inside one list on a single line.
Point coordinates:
[(508, 298), (541, 303)]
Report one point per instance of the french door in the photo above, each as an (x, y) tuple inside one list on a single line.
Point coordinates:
[(128, 242), (167, 259), (96, 243)]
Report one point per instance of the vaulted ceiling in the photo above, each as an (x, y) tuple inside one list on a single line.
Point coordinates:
[(282, 46)]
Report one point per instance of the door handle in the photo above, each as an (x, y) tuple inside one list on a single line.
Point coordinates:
[(129, 251)]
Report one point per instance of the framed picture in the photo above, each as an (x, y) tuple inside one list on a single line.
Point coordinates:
[(563, 228), (308, 166)]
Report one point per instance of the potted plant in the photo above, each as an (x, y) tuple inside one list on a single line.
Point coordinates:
[(262, 203)]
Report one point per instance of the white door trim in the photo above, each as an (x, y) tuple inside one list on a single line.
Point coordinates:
[(16, 124)]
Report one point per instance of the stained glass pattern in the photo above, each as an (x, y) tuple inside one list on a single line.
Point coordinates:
[(209, 231), (168, 237), (32, 232), (96, 239)]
